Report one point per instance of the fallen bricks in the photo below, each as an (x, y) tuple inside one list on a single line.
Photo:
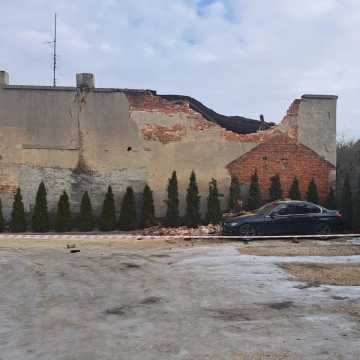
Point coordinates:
[(182, 231)]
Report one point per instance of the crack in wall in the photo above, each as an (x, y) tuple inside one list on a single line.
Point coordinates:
[(80, 100)]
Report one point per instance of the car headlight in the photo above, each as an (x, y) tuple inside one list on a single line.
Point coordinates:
[(232, 224)]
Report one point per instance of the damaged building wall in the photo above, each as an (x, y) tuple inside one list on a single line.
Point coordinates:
[(179, 135), (75, 139), (178, 138), (83, 138)]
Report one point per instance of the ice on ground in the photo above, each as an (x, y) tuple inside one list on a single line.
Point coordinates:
[(199, 303)]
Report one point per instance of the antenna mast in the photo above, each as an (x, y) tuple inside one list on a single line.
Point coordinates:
[(54, 64)]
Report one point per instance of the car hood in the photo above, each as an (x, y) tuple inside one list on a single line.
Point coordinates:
[(245, 218)]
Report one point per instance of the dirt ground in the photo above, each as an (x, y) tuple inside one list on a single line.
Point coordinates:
[(55, 241), (171, 299), (339, 247)]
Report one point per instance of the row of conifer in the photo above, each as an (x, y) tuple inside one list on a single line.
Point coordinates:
[(129, 219), (276, 192)]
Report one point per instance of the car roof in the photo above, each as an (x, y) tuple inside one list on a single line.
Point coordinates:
[(279, 202)]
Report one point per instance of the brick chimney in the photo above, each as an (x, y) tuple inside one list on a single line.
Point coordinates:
[(85, 80), (4, 78)]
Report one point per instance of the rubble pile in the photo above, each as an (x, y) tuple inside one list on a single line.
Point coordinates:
[(182, 231)]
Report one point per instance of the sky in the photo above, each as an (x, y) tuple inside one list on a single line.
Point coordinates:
[(239, 57)]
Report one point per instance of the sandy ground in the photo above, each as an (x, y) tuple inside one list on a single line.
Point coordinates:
[(158, 300)]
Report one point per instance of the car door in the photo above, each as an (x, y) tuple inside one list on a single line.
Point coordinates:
[(281, 219), (305, 218), (299, 219)]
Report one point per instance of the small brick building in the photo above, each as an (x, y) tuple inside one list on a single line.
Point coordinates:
[(282, 155)]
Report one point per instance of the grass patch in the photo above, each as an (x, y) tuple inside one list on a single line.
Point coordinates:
[(327, 274), (302, 249)]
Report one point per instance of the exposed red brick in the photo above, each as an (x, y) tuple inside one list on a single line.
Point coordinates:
[(201, 124), (149, 102), (153, 132), (281, 155), (259, 137), (4, 188), (294, 107), (152, 103), (289, 122), (288, 126)]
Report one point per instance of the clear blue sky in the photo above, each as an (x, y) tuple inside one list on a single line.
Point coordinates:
[(243, 57)]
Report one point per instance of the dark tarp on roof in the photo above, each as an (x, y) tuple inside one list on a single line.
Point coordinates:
[(238, 124)]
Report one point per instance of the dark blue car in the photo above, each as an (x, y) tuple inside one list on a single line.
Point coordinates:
[(285, 218)]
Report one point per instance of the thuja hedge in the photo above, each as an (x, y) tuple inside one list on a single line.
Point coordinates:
[(129, 219)]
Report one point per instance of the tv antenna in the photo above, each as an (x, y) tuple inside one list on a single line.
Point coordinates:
[(53, 44), (54, 60)]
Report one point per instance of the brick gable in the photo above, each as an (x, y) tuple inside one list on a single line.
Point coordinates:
[(282, 155)]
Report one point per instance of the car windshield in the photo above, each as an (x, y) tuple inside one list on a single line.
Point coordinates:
[(266, 209)]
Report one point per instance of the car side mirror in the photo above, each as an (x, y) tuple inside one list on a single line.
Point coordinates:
[(274, 214)]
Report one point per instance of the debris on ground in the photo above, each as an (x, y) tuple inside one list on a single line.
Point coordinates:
[(70, 246), (182, 231), (74, 251)]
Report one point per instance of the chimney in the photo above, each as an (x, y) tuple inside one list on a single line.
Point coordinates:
[(85, 80), (4, 78)]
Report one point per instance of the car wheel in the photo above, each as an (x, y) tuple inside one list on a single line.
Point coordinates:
[(247, 230), (323, 229)]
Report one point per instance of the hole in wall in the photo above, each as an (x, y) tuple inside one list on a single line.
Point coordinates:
[(129, 148)]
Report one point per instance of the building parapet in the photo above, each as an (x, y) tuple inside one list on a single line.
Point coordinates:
[(4, 78), (321, 97)]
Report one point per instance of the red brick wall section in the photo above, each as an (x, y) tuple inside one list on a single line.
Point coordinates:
[(4, 188), (288, 125), (258, 137), (282, 155), (152, 103), (289, 122), (148, 102), (163, 134)]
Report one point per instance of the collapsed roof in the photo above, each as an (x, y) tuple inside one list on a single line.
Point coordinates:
[(237, 124)]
